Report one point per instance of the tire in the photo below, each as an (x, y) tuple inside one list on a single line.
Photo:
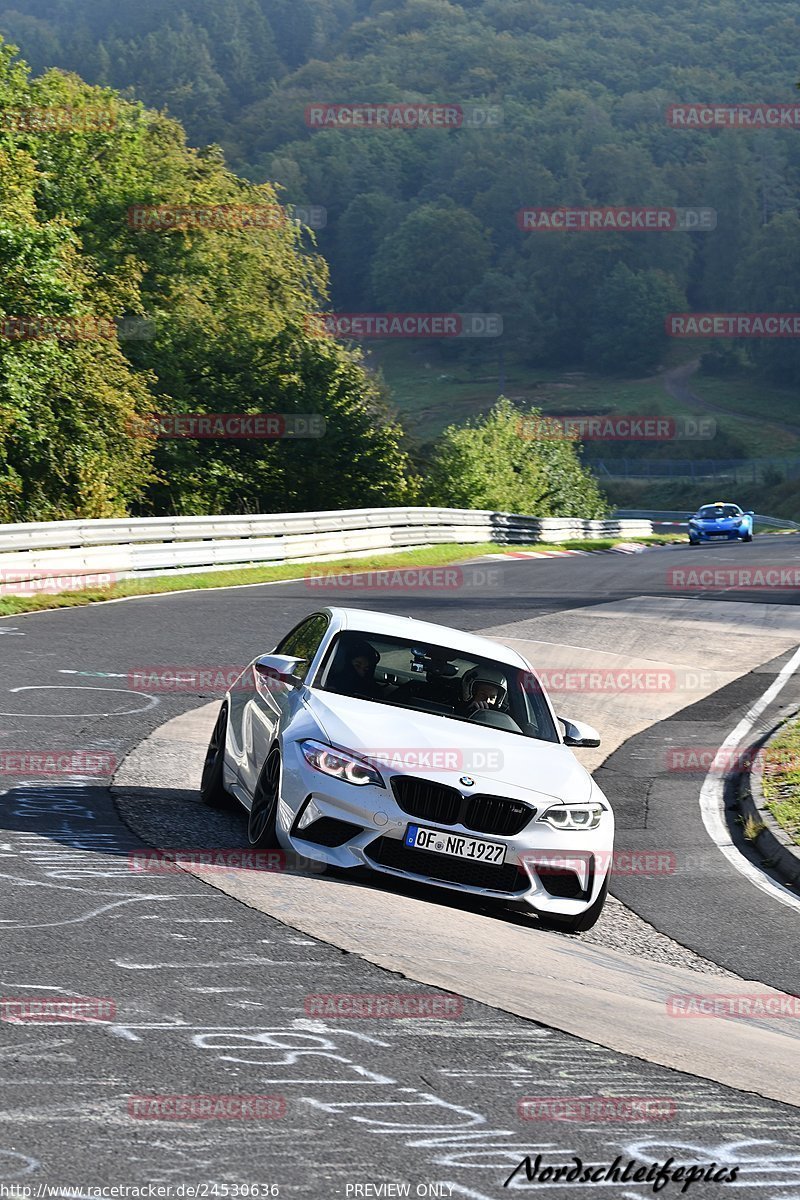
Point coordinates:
[(212, 789), (261, 823), (577, 924), (748, 537)]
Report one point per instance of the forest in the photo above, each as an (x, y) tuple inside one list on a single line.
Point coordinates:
[(141, 282), (562, 105), (426, 219)]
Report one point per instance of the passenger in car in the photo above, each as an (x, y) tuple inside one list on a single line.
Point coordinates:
[(353, 674)]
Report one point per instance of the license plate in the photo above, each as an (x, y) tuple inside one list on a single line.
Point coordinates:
[(454, 844)]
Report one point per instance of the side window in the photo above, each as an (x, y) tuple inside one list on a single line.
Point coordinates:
[(304, 641)]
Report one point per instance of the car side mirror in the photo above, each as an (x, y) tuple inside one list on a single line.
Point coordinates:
[(577, 733), (749, 513), (278, 668)]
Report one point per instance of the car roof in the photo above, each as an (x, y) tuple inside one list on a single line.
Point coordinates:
[(719, 504), (367, 621)]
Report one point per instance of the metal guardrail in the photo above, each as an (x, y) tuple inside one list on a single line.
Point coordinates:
[(674, 517), (730, 471), (158, 545)]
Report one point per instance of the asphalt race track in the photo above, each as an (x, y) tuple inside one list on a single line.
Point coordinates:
[(205, 989)]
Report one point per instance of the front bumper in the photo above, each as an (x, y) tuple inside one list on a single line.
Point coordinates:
[(551, 870), (719, 535)]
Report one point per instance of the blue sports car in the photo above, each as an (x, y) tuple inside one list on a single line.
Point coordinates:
[(720, 522)]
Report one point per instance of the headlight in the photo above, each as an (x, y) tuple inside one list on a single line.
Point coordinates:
[(340, 765), (573, 816), (737, 520), (693, 522)]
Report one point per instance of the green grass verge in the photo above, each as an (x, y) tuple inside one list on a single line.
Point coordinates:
[(429, 556), (781, 781)]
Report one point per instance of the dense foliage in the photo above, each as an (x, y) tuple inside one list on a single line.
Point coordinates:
[(228, 328), (426, 219), (493, 463)]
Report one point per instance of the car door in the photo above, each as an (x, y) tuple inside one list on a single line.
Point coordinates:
[(273, 703)]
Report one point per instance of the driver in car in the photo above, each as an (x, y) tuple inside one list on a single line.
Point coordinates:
[(482, 687)]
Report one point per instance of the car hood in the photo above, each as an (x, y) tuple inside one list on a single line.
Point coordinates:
[(414, 743), (725, 522)]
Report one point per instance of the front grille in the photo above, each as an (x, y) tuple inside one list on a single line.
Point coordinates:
[(443, 805), (328, 831), (391, 852), (426, 800), (495, 814)]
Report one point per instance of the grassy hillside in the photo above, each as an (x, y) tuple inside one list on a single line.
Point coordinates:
[(426, 219), (431, 390)]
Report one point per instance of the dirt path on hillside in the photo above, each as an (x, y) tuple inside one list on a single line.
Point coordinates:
[(676, 385)]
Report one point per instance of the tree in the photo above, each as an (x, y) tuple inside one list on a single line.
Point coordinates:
[(768, 280), (229, 307), (731, 190), (366, 221), (431, 260), (627, 329), (511, 461)]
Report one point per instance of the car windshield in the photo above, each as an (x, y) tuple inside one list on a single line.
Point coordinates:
[(437, 680), (714, 512)]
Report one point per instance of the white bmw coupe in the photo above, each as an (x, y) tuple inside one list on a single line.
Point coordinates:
[(369, 740)]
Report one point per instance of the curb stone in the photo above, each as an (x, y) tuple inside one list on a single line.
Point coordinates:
[(773, 842), (622, 548)]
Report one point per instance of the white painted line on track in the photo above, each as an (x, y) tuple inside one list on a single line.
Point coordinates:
[(712, 794), (152, 701)]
